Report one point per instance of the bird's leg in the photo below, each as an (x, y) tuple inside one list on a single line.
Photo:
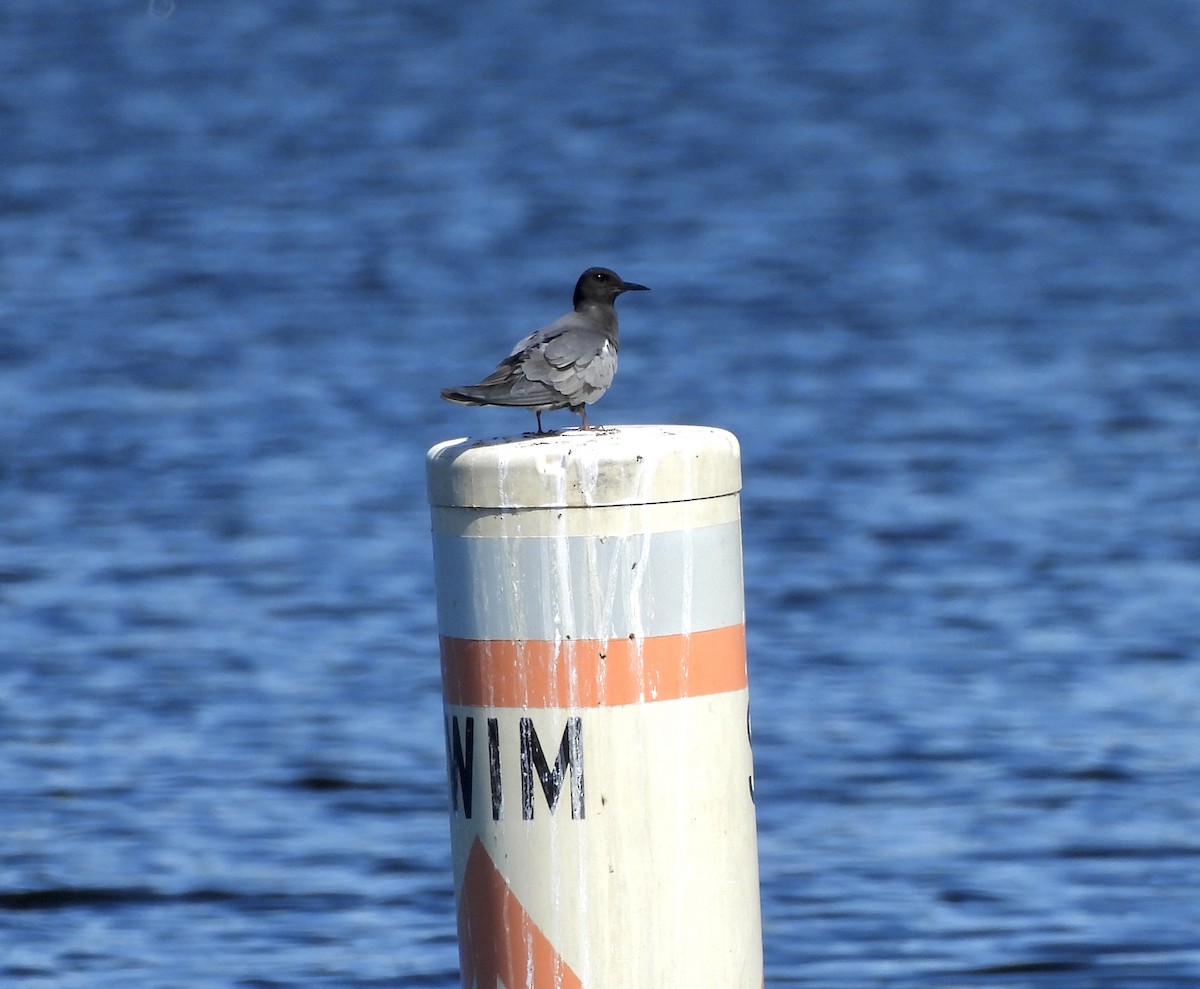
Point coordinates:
[(583, 414), (538, 413)]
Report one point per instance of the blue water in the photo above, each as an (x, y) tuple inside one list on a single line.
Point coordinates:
[(934, 264)]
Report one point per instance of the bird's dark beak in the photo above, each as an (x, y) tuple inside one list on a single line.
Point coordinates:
[(634, 287)]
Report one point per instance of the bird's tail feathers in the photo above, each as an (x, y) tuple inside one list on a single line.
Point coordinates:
[(466, 395), (529, 395)]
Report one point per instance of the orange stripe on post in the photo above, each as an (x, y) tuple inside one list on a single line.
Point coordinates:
[(592, 672)]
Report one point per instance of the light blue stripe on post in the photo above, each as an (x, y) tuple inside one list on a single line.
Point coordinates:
[(590, 587)]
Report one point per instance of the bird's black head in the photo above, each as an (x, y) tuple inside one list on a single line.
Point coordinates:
[(602, 285)]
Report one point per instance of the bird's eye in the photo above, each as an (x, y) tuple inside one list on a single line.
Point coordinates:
[(600, 276)]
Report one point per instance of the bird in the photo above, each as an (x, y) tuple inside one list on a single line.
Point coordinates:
[(568, 364)]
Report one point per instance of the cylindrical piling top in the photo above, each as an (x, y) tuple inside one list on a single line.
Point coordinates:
[(591, 611), (625, 465)]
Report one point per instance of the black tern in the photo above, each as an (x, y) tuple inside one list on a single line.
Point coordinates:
[(568, 364)]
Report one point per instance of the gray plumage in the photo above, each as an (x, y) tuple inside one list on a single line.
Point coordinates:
[(568, 364)]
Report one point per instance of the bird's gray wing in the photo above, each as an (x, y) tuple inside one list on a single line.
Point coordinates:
[(569, 362), (573, 357), (509, 384), (564, 324), (523, 377)]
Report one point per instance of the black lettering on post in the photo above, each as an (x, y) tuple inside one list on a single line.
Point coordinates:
[(570, 757), (493, 730), (750, 739), (460, 758)]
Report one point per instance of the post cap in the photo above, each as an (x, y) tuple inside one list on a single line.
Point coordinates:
[(624, 465)]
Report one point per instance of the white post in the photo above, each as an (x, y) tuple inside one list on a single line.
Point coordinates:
[(590, 610)]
